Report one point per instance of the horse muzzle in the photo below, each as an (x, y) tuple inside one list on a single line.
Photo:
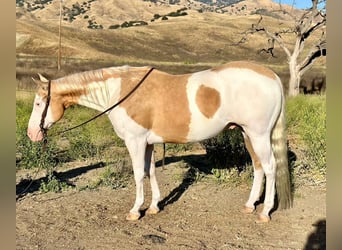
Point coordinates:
[(35, 135)]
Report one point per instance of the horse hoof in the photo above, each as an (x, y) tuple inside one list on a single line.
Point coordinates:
[(152, 210), (263, 219), (247, 210), (133, 216)]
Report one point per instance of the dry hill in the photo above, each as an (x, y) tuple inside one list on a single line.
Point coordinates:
[(178, 37), (136, 29)]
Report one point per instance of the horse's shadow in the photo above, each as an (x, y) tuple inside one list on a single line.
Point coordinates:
[(317, 239), (202, 164), (27, 186), (197, 163)]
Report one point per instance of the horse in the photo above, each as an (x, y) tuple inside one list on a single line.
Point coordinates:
[(313, 85), (157, 107)]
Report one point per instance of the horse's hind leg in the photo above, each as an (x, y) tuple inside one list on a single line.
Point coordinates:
[(150, 170), (263, 150), (257, 180), (136, 149)]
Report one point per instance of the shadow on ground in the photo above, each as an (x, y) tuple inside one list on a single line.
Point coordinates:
[(198, 163), (26, 186), (317, 239)]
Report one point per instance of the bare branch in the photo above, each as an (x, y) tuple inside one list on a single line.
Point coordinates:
[(275, 37), (318, 50), (245, 34), (311, 21)]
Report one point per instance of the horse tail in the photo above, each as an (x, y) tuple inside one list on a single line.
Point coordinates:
[(279, 146)]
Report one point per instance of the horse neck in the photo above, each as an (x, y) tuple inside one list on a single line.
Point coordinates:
[(88, 89)]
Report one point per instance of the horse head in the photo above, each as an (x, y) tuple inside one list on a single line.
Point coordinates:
[(47, 109)]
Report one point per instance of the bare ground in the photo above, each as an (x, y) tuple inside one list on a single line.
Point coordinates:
[(194, 215)]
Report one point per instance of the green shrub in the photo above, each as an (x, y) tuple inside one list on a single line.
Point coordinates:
[(176, 148), (230, 160), (265, 12), (31, 154), (156, 16), (81, 147), (52, 185), (233, 176), (227, 149), (306, 123), (35, 154), (115, 175), (114, 26)]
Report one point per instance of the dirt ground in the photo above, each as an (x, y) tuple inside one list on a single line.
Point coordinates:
[(194, 215)]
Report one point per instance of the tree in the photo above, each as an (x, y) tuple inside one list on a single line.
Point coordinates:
[(312, 21)]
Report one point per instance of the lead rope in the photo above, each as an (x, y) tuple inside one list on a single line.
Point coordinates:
[(44, 145), (42, 121), (163, 161)]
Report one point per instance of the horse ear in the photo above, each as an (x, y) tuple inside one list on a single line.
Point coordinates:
[(42, 78), (42, 82)]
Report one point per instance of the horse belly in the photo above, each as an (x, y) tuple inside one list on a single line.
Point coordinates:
[(202, 128)]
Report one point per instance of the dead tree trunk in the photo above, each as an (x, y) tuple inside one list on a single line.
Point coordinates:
[(313, 20)]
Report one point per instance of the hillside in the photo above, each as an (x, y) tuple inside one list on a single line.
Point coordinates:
[(168, 36), (138, 30), (96, 14)]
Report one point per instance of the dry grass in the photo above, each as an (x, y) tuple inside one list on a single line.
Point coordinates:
[(181, 44), (193, 38)]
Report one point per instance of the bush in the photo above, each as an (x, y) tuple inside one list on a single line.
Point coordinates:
[(114, 26), (265, 12), (30, 154), (52, 184), (227, 150), (230, 159), (156, 16), (81, 147), (116, 175), (306, 122)]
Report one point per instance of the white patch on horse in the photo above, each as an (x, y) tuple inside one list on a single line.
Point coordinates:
[(100, 98), (202, 127)]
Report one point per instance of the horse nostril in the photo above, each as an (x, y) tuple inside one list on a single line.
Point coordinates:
[(29, 134)]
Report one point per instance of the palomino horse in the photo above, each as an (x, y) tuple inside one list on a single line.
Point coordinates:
[(167, 108)]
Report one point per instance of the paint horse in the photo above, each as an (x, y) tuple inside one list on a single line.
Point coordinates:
[(184, 108)]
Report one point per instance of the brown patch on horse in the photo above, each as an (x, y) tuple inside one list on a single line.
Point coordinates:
[(248, 144), (159, 104), (248, 65), (208, 100)]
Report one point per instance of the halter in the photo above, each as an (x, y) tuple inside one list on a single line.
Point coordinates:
[(42, 120)]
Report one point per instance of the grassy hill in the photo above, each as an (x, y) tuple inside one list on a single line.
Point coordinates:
[(184, 43)]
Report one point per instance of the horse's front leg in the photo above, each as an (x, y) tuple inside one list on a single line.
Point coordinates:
[(150, 170), (136, 149)]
